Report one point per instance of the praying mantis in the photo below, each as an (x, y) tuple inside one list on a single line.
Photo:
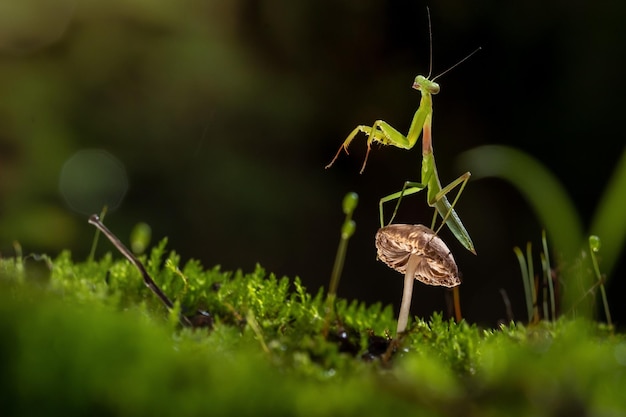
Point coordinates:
[(383, 133)]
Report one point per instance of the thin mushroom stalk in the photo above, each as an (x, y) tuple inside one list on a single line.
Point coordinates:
[(407, 294)]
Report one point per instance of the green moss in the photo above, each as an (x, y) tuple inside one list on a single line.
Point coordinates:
[(93, 340)]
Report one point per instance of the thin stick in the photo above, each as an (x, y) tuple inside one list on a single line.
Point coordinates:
[(457, 304), (147, 279)]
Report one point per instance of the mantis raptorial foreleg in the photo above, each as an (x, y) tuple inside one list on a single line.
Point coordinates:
[(381, 132)]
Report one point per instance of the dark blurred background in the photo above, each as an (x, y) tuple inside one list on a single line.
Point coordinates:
[(217, 118)]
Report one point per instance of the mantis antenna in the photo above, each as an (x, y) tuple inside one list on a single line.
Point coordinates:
[(430, 44), (455, 65), (430, 47)]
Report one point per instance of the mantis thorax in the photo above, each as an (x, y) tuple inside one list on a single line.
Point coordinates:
[(425, 85)]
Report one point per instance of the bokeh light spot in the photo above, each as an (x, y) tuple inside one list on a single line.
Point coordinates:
[(91, 179)]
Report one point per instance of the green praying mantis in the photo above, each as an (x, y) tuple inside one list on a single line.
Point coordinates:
[(383, 133)]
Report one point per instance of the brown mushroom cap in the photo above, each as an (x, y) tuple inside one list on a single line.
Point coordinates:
[(397, 242)]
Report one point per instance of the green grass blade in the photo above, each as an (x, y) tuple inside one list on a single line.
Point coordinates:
[(609, 222)]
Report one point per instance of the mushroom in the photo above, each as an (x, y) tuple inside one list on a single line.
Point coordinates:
[(419, 253)]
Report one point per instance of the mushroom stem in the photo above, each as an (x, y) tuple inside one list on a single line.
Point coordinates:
[(407, 294)]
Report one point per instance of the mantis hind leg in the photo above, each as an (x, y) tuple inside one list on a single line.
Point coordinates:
[(451, 218), (409, 188), (448, 215)]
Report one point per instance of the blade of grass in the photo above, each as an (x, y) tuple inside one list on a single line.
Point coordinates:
[(552, 206), (548, 274), (525, 281), (609, 221)]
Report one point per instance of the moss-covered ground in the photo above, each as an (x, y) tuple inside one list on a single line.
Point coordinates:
[(88, 338)]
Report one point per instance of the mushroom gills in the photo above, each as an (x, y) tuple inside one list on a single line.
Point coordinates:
[(396, 243)]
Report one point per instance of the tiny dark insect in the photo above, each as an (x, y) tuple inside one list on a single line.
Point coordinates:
[(377, 347), (346, 339)]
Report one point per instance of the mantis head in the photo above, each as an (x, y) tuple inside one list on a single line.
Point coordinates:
[(425, 85)]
